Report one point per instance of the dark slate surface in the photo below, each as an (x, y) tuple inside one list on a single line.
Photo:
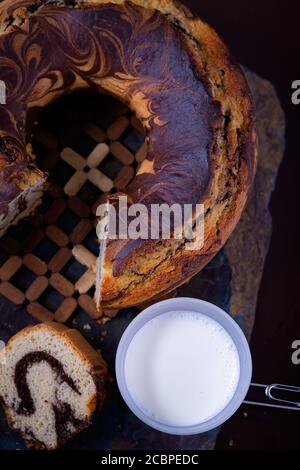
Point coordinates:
[(221, 282), (115, 427)]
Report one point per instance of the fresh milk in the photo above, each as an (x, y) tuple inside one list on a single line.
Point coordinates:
[(182, 368)]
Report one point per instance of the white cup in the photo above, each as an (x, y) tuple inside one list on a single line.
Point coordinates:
[(230, 326)]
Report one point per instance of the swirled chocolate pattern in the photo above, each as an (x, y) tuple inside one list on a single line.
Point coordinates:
[(51, 381), (26, 405), (179, 78), (145, 55)]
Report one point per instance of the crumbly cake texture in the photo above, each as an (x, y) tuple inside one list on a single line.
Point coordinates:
[(192, 99), (51, 382)]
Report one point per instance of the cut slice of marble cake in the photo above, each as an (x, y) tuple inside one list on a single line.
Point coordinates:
[(51, 382)]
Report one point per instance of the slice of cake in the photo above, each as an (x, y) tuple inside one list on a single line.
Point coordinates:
[(51, 382)]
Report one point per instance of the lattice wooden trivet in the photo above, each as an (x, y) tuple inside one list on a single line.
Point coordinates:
[(91, 145)]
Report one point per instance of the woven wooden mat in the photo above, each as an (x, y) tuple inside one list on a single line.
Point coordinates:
[(90, 145)]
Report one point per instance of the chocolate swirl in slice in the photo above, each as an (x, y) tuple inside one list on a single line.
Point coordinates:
[(26, 405), (51, 382)]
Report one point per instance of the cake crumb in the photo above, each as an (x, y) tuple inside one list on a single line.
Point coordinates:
[(103, 320)]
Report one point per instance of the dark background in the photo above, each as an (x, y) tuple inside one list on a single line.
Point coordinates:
[(265, 36)]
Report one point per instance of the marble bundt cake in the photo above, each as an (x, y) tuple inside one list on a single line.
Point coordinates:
[(51, 381), (191, 97)]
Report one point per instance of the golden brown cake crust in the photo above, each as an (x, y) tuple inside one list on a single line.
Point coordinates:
[(214, 153), (84, 354)]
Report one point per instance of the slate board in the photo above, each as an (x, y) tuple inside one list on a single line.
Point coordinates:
[(231, 281)]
